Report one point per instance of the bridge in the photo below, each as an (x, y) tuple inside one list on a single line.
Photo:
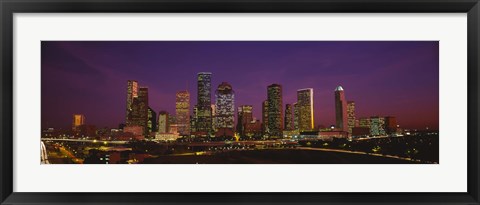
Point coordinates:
[(85, 140), (43, 154)]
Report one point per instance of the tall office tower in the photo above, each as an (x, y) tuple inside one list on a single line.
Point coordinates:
[(139, 114), (244, 117), (224, 106), (390, 125), (377, 126), (341, 109), (182, 111), (265, 117), (78, 120), (239, 126), (152, 120), (305, 108), (288, 117), (193, 121), (275, 110), (214, 114), (296, 116), (204, 98), (132, 92), (351, 115), (163, 122)]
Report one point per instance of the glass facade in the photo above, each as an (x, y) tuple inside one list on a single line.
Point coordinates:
[(305, 109), (340, 109), (224, 106), (275, 110), (204, 98), (182, 112)]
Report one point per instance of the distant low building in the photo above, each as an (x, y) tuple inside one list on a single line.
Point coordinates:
[(167, 136), (253, 129), (360, 131), (330, 135), (174, 128), (224, 132), (87, 130), (309, 135), (290, 133), (135, 129)]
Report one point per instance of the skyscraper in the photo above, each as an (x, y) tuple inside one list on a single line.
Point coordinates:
[(377, 126), (351, 115), (182, 111), (132, 92), (139, 113), (289, 117), (265, 117), (78, 120), (305, 108), (204, 98), (214, 114), (152, 120), (296, 116), (341, 109), (224, 106), (193, 121), (163, 122), (244, 117), (275, 110)]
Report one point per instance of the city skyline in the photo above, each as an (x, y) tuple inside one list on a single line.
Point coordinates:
[(422, 97)]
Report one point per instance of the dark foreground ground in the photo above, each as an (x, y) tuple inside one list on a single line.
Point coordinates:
[(278, 156)]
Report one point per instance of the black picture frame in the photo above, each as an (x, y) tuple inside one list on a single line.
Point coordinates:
[(9, 7)]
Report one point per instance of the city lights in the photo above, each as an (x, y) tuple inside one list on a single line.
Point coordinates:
[(277, 103)]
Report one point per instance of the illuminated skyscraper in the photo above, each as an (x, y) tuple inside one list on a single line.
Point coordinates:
[(204, 98), (139, 113), (193, 121), (265, 117), (289, 117), (351, 115), (224, 106), (377, 126), (305, 108), (78, 120), (152, 120), (182, 111), (244, 117), (341, 109), (214, 114), (275, 110), (296, 116), (163, 122), (132, 92)]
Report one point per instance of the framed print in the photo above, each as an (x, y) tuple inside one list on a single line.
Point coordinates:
[(253, 102)]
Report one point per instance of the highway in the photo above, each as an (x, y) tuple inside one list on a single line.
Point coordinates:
[(85, 140)]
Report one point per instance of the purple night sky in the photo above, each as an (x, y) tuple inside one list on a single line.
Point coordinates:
[(397, 78)]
